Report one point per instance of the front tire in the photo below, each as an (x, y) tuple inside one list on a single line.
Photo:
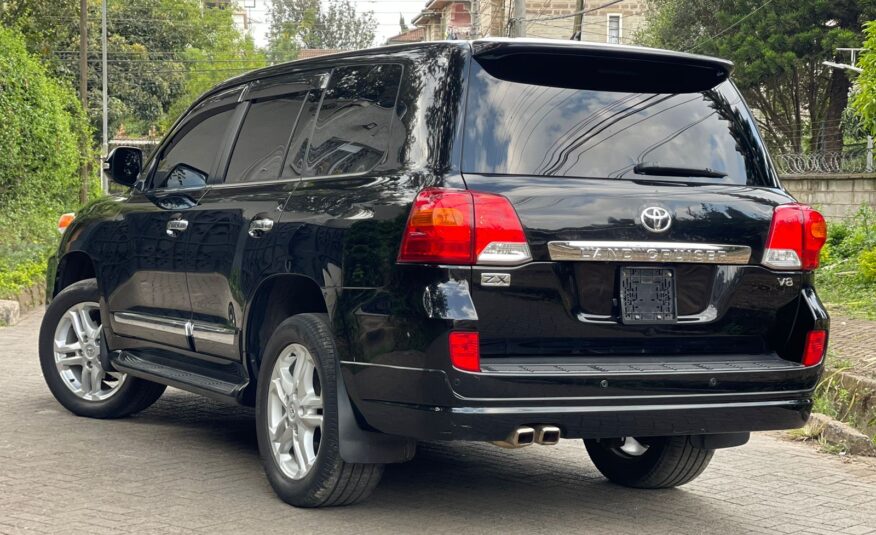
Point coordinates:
[(297, 419), (650, 462), (69, 345)]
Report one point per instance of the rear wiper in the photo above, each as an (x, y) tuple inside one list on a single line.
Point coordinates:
[(665, 170)]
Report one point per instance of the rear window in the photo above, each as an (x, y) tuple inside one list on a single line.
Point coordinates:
[(635, 129)]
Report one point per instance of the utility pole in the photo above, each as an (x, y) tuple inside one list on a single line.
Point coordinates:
[(578, 21), (104, 149), (475, 19), (518, 24), (83, 94)]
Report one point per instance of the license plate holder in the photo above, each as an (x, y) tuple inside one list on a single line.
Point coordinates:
[(647, 295)]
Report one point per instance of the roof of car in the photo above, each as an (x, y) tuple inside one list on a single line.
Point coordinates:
[(483, 47)]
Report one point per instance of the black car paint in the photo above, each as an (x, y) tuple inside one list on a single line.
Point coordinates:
[(337, 238)]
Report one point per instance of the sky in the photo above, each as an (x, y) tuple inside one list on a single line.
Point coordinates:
[(385, 11)]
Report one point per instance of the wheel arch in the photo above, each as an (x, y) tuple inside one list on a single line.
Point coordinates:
[(277, 297), (73, 267)]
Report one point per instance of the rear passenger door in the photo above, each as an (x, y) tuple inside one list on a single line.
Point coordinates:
[(234, 238)]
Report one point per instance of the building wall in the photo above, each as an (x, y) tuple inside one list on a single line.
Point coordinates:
[(836, 196), (494, 19)]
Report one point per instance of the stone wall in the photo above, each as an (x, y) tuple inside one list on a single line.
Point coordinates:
[(836, 196)]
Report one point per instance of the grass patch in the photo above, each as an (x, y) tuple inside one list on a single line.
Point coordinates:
[(846, 281)]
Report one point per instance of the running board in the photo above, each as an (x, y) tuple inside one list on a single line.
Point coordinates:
[(220, 381)]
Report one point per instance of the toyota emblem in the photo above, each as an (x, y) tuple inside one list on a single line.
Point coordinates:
[(656, 219)]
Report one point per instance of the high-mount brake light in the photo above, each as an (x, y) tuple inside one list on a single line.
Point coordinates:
[(796, 237), (463, 227)]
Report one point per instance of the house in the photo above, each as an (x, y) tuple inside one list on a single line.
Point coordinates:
[(307, 53), (411, 36), (553, 19)]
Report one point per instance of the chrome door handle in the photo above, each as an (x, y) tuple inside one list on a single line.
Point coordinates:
[(176, 225), (259, 227)]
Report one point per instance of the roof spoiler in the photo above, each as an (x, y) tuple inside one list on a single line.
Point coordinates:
[(581, 65)]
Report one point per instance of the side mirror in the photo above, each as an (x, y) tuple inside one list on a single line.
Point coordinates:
[(123, 165)]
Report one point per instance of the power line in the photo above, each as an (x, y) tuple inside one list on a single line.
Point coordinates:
[(728, 28)]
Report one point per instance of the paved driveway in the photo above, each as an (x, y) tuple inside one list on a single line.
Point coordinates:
[(190, 464)]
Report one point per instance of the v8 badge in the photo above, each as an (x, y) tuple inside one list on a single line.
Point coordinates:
[(786, 281)]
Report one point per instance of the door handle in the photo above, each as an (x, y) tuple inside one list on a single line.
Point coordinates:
[(175, 226), (259, 227)]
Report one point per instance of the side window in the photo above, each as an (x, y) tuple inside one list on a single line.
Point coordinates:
[(351, 129), (261, 144), (188, 159)]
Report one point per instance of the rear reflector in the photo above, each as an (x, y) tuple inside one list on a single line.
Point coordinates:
[(816, 343), (465, 353), (463, 227), (796, 236)]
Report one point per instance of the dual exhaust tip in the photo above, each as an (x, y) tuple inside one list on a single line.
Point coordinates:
[(546, 435)]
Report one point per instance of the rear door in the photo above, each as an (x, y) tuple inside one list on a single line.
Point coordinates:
[(646, 196), (234, 234)]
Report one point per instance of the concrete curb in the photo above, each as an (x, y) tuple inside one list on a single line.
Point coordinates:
[(836, 432), (10, 312)]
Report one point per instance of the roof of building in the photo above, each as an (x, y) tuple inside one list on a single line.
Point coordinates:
[(307, 53), (411, 36)]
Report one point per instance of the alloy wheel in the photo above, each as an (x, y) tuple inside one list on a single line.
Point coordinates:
[(77, 354), (295, 411)]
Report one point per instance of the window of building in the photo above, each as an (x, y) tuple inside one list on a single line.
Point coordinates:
[(614, 29), (261, 144)]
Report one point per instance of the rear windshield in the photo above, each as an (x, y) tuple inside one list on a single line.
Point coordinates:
[(606, 130)]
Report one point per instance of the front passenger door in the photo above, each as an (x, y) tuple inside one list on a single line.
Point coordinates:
[(150, 300)]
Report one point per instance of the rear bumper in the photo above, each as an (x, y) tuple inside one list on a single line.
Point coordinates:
[(426, 404)]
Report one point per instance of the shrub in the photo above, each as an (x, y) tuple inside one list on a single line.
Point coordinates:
[(40, 132), (867, 265)]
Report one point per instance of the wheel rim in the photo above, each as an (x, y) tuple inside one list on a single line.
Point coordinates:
[(295, 411), (77, 354), (632, 447)]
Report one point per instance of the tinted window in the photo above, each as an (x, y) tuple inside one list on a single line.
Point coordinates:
[(188, 159), (261, 144), (350, 131), (611, 132)]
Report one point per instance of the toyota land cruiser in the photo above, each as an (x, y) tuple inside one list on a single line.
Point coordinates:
[(513, 241)]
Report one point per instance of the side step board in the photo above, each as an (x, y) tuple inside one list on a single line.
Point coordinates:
[(225, 382)]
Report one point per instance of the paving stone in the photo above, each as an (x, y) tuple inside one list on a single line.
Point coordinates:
[(189, 464)]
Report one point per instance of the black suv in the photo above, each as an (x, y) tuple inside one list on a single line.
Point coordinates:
[(512, 241)]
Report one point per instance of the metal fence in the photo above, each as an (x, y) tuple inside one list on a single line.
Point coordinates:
[(854, 158)]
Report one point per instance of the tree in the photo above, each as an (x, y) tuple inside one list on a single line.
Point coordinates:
[(778, 47), (864, 98), (335, 24), (162, 53)]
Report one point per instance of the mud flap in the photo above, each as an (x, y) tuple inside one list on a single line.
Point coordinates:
[(367, 447)]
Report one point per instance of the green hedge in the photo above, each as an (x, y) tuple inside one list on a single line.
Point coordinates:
[(41, 125), (847, 277)]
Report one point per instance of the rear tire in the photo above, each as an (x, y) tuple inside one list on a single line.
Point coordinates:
[(297, 419), (649, 463), (69, 346)]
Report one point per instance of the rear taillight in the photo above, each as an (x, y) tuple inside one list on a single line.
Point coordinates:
[(463, 227), (465, 352), (813, 351), (796, 236)]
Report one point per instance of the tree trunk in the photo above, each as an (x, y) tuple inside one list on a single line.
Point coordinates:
[(837, 100)]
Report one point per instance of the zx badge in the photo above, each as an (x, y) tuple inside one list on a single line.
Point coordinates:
[(495, 279)]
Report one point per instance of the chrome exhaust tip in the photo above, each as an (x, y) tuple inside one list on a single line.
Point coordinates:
[(520, 437), (547, 435)]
